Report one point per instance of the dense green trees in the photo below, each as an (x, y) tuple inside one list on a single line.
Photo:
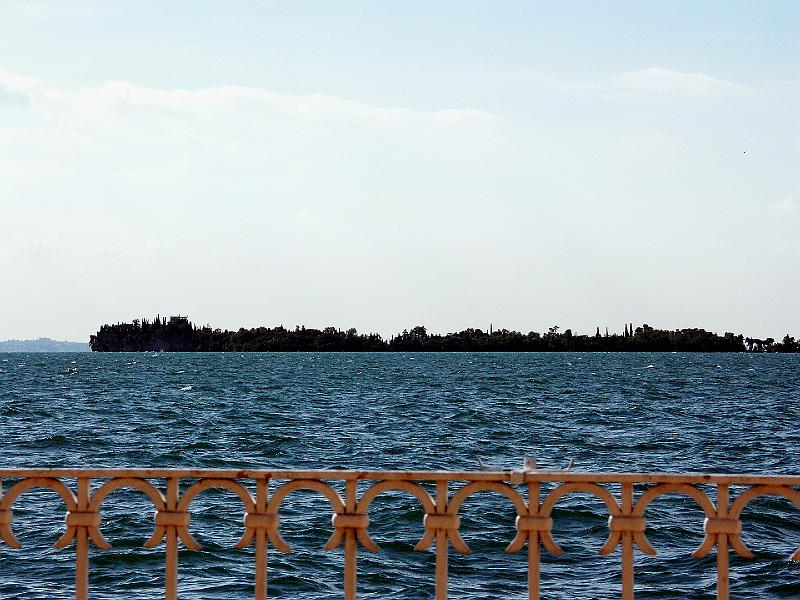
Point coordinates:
[(179, 335), (182, 336), (643, 338)]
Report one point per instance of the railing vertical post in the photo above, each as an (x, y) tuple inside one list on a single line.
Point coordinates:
[(534, 550), (723, 497), (82, 544), (441, 542), (171, 563), (627, 543), (262, 497), (350, 550)]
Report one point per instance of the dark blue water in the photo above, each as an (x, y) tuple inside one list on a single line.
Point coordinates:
[(610, 412)]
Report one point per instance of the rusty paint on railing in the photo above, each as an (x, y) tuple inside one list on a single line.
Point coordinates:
[(534, 523)]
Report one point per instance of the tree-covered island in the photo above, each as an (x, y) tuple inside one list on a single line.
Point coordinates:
[(178, 334)]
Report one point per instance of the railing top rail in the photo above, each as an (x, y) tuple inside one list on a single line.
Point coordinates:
[(514, 476)]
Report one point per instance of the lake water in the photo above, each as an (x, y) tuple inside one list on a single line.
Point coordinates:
[(610, 412)]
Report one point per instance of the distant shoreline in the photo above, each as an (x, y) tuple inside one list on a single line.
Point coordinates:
[(178, 334), (43, 345)]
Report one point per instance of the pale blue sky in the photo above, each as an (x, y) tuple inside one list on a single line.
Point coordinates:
[(383, 165)]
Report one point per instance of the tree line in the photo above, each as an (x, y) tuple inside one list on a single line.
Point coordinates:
[(180, 335)]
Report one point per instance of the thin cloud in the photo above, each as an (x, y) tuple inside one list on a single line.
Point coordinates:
[(121, 97), (16, 89), (657, 81)]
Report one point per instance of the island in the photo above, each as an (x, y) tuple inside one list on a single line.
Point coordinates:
[(178, 334)]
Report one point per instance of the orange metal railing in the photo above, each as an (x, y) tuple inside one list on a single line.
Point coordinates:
[(262, 492)]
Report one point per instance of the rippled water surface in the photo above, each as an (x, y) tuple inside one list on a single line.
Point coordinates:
[(610, 412)]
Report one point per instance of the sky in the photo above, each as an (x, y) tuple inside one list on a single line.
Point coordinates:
[(382, 165)]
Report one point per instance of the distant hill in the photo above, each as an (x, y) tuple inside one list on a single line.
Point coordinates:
[(43, 345)]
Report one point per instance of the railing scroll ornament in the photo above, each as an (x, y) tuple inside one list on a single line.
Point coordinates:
[(441, 525)]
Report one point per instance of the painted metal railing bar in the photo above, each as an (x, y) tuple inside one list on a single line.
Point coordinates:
[(350, 551), (441, 542), (514, 476), (534, 550), (627, 543), (262, 499), (82, 544), (723, 580), (171, 560)]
